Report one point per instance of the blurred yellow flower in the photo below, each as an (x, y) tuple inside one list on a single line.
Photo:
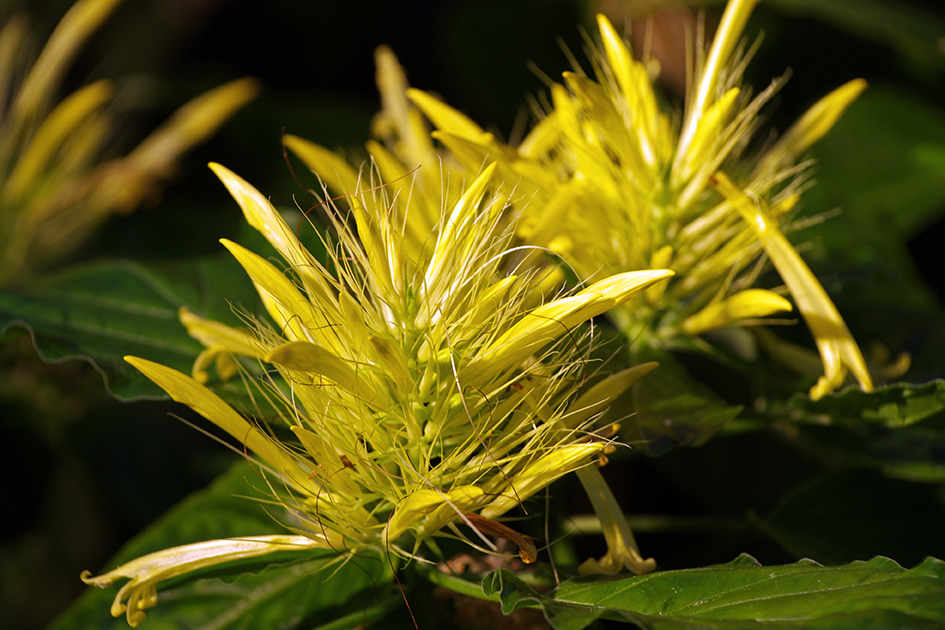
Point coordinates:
[(610, 183), (54, 190)]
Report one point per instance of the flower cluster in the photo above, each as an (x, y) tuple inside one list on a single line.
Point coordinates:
[(653, 194), (55, 191), (425, 380)]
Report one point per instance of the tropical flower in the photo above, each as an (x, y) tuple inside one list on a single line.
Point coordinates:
[(421, 392), (607, 181), (55, 191)]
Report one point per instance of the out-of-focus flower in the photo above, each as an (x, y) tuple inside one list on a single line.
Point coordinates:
[(609, 182), (55, 190), (421, 391)]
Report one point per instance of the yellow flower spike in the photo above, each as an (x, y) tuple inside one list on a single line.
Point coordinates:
[(810, 128), (726, 38), (837, 348), (747, 304), (63, 45), (65, 119), (186, 390), (622, 551), (147, 571)]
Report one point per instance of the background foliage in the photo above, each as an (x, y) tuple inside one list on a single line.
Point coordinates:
[(846, 479)]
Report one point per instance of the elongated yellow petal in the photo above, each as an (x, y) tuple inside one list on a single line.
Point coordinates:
[(811, 127), (837, 348), (747, 304), (602, 394), (262, 216), (622, 552), (63, 121), (147, 571), (302, 356), (726, 38), (447, 119), (71, 33), (190, 125), (329, 166), (186, 390)]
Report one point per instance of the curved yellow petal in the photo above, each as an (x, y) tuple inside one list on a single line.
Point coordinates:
[(747, 304), (147, 571), (837, 348)]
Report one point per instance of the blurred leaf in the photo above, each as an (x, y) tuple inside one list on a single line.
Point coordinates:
[(851, 515), (672, 408), (898, 405), (287, 593), (899, 429), (744, 595)]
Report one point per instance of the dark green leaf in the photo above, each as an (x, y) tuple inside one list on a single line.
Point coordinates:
[(672, 408), (846, 516), (743, 594), (898, 405), (286, 593)]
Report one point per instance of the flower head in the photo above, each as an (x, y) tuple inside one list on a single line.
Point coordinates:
[(611, 184), (54, 191), (418, 386)]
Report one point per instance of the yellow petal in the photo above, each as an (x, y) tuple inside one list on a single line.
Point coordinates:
[(302, 356), (602, 394), (147, 571), (447, 119), (186, 390), (747, 304), (811, 127), (622, 552), (838, 350)]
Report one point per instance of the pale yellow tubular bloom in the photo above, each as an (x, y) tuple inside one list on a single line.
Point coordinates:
[(222, 343), (810, 128), (147, 571), (448, 119), (550, 321), (413, 143), (837, 348), (129, 179), (186, 390), (333, 169), (63, 45), (726, 38), (634, 84), (262, 216), (64, 120), (622, 552), (744, 305), (538, 474)]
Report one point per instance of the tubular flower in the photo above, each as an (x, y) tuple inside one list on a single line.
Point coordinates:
[(54, 190), (613, 185), (422, 395)]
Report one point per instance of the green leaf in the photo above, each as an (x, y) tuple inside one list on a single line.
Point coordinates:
[(845, 516), (102, 311), (284, 591), (672, 408), (744, 595), (899, 429), (898, 405)]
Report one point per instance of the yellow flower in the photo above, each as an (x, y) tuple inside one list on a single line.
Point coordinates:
[(609, 183), (54, 191), (421, 392)]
